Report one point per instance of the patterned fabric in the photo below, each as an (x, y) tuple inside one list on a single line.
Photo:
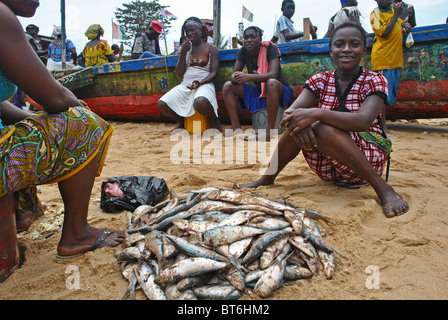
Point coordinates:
[(93, 31), (283, 23), (377, 139), (387, 53), (329, 169), (97, 55), (55, 51), (142, 44), (48, 148), (323, 85)]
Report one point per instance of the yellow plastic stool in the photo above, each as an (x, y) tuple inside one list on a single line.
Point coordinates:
[(197, 123)]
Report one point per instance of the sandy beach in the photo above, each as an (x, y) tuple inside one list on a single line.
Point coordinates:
[(399, 258)]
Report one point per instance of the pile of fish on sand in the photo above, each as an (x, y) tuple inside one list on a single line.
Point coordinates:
[(219, 244)]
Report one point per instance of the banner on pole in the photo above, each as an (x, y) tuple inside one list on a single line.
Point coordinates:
[(118, 32), (247, 14), (166, 14)]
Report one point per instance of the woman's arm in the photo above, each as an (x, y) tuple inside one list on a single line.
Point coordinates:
[(182, 61), (21, 65), (11, 114)]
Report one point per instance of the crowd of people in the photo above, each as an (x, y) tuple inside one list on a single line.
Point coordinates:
[(344, 140)]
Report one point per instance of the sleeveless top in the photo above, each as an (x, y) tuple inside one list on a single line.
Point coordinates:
[(7, 90), (198, 66)]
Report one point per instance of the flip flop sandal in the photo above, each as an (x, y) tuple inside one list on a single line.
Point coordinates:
[(106, 233)]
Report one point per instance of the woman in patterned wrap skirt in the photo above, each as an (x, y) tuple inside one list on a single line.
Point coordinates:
[(67, 144)]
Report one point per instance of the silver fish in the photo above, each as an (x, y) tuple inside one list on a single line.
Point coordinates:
[(131, 240), (262, 242), (187, 268), (224, 235), (218, 292), (295, 221), (271, 279), (272, 251), (236, 277), (128, 254), (253, 275), (172, 293), (270, 224), (293, 273), (145, 277), (193, 227), (237, 248), (194, 250), (328, 262), (240, 217), (194, 281), (302, 245)]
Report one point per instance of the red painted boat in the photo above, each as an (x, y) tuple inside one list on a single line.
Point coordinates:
[(129, 91)]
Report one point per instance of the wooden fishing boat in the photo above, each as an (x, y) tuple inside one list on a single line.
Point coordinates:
[(130, 90)]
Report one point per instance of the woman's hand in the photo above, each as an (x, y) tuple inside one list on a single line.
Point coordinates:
[(306, 139), (298, 119), (185, 47), (195, 84), (84, 104)]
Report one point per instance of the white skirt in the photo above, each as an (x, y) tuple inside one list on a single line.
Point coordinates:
[(57, 66), (180, 99)]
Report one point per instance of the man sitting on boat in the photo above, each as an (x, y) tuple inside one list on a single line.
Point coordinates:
[(146, 43), (262, 60)]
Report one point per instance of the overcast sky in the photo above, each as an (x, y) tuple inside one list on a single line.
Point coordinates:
[(82, 13)]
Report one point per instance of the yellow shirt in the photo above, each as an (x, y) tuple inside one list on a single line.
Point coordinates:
[(97, 55), (387, 53)]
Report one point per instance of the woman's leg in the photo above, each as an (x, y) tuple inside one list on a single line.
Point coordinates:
[(203, 106), (167, 111), (341, 147), (286, 151), (77, 235), (231, 93)]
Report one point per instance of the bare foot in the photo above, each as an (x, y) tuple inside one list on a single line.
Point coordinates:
[(263, 181), (94, 238), (393, 204)]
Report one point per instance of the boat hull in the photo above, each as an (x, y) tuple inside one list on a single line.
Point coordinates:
[(130, 90)]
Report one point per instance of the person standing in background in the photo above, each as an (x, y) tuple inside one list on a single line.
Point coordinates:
[(349, 13), (32, 35), (54, 61), (408, 14), (387, 50)]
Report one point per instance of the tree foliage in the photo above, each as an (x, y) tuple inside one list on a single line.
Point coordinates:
[(137, 15)]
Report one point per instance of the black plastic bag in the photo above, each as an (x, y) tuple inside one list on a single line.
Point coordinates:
[(130, 192)]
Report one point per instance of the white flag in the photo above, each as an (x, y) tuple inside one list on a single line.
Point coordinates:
[(247, 14), (166, 14)]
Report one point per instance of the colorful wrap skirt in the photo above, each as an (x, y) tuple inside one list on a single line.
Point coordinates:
[(48, 148)]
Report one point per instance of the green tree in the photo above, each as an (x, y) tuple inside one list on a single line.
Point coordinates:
[(137, 15)]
